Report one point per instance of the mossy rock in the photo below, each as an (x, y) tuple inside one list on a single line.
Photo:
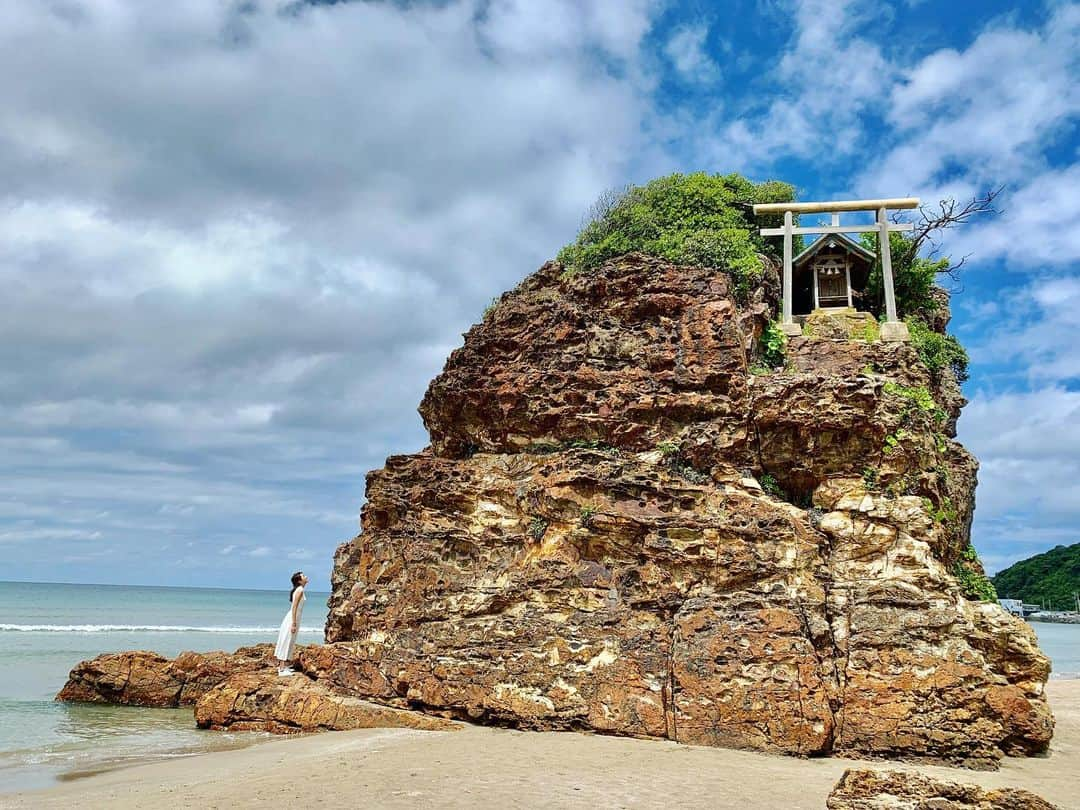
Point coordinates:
[(841, 324)]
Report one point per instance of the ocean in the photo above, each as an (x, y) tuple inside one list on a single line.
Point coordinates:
[(45, 629)]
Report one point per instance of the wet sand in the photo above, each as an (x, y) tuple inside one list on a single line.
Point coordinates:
[(397, 768)]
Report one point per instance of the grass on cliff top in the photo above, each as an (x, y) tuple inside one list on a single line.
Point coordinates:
[(698, 219)]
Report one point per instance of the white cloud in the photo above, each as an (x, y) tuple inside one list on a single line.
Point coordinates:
[(964, 121), (1028, 445), (1031, 330), (1035, 228), (31, 534), (686, 50), (236, 243), (260, 551), (821, 92)]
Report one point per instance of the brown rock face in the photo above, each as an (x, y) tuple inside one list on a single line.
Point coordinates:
[(238, 691), (625, 524), (141, 678), (262, 701), (901, 790)]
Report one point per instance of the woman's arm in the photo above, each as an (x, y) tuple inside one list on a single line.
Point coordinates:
[(297, 594)]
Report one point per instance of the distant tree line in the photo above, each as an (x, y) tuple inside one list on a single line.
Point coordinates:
[(1048, 579)]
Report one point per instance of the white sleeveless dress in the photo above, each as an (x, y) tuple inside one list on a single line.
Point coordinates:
[(286, 638)]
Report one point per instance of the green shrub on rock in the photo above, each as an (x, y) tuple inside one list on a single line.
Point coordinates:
[(700, 219), (974, 584), (914, 276), (938, 351), (773, 345)]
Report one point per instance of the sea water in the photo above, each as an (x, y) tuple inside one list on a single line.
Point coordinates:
[(1061, 644), (46, 629)]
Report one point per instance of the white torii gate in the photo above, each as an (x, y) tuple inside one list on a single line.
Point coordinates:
[(893, 329)]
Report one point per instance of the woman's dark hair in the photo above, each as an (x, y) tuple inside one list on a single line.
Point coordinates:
[(295, 584)]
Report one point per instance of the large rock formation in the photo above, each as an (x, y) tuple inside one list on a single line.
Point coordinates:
[(625, 524)]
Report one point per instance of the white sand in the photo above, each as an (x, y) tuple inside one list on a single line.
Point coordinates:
[(391, 768)]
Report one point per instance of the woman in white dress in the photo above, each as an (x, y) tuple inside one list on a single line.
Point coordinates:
[(290, 625)]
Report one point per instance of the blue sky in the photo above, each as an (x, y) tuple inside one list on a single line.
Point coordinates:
[(237, 239)]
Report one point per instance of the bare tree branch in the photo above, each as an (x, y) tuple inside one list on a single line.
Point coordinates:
[(947, 214)]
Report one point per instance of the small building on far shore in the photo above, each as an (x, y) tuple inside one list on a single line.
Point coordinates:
[(1014, 606), (1018, 607)]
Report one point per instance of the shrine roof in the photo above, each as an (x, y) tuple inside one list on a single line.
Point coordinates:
[(833, 240)]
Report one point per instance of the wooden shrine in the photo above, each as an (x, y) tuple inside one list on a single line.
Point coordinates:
[(831, 272), (834, 263)]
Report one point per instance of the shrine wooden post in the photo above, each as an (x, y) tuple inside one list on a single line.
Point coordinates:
[(893, 328)]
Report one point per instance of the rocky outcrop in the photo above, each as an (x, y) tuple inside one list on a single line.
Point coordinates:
[(626, 523), (143, 678), (903, 790), (239, 691), (262, 701)]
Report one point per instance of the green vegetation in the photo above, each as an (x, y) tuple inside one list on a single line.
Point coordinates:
[(587, 513), (938, 351), (913, 282), (588, 444), (907, 484), (870, 478), (707, 219), (941, 514), (973, 584), (771, 486), (672, 454), (1050, 578), (893, 440), (700, 219), (537, 528), (773, 344), (913, 276), (919, 396)]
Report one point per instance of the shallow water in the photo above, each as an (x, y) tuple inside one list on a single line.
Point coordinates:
[(1061, 643), (45, 629)]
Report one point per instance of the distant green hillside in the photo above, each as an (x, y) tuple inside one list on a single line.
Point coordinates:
[(1049, 578)]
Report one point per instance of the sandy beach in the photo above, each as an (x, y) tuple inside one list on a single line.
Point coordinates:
[(390, 768)]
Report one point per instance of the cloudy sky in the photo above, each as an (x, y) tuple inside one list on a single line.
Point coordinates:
[(238, 238)]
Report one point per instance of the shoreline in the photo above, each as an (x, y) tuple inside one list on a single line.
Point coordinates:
[(476, 764)]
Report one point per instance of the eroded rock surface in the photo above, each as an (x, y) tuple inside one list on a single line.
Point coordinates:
[(144, 678), (626, 524), (262, 701), (903, 790)]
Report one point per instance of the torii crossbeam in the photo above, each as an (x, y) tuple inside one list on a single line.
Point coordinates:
[(893, 329)]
